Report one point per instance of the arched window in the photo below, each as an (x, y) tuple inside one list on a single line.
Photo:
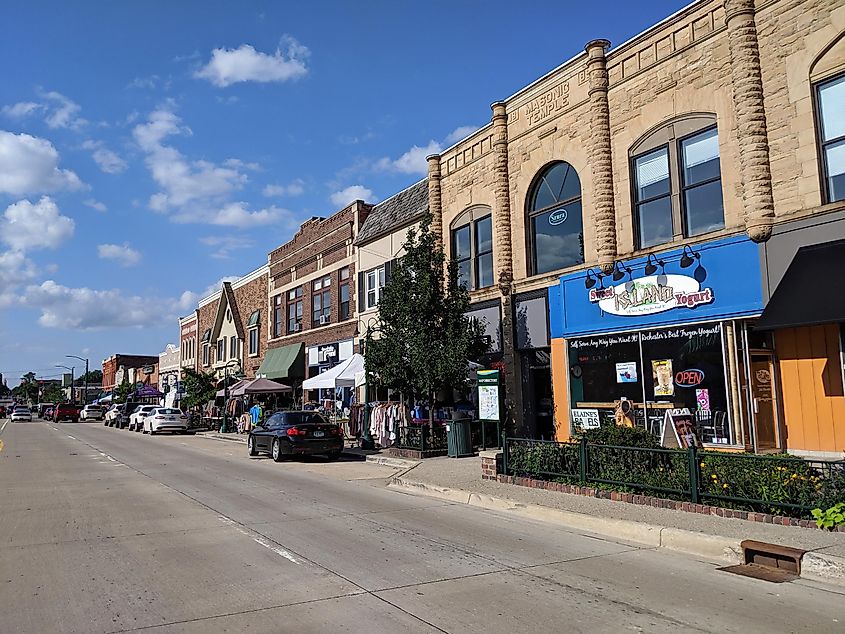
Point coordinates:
[(472, 247), (677, 182), (556, 229)]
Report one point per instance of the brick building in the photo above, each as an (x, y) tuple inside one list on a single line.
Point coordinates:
[(311, 324), (132, 367), (635, 191), (188, 338)]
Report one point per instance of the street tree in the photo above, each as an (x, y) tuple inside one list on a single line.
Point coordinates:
[(94, 377), (200, 387), (425, 338), (122, 391), (27, 389)]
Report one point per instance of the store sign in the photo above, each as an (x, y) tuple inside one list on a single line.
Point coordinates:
[(689, 378), (651, 294), (586, 418), (558, 217)]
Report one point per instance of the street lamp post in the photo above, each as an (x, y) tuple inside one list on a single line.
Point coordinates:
[(84, 398), (72, 399), (224, 425)]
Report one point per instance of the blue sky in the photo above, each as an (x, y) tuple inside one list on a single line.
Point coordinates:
[(150, 149)]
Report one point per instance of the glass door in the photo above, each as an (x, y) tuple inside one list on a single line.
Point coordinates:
[(764, 401)]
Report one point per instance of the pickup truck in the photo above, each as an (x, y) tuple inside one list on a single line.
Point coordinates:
[(66, 411)]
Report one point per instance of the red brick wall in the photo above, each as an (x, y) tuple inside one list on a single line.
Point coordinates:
[(249, 298), (109, 370), (205, 320)]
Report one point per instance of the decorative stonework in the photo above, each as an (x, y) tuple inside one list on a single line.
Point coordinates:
[(752, 137), (604, 214), (435, 205), (502, 206)]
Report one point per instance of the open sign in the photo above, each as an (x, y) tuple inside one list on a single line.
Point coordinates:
[(689, 378)]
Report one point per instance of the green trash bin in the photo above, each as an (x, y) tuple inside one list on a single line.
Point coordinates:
[(458, 438)]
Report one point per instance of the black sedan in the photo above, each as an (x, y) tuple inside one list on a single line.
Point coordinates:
[(296, 433)]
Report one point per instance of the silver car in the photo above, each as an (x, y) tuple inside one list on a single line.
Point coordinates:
[(165, 419), (22, 413)]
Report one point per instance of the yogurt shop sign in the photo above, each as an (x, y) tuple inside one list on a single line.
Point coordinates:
[(651, 294)]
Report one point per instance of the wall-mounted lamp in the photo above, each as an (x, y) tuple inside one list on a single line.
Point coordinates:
[(652, 263), (690, 256), (593, 278), (619, 271)]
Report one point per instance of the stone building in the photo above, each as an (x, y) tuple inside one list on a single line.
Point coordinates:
[(169, 371), (667, 162), (311, 322)]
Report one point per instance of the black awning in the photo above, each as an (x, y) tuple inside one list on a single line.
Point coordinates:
[(812, 290)]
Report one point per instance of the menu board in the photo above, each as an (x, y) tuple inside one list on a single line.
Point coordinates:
[(679, 429), (488, 394)]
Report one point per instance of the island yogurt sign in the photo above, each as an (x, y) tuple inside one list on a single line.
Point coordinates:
[(651, 294)]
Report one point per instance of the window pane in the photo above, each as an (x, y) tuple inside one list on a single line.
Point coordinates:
[(559, 183), (327, 302), (371, 298), (558, 238), (703, 208), (700, 157), (461, 243), (483, 235), (381, 277), (344, 273), (464, 275), (299, 309), (832, 107), (484, 270), (344, 293), (652, 174), (655, 222), (835, 158), (371, 280), (317, 303)]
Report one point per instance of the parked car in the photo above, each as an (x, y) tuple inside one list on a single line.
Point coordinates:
[(48, 413), (165, 419), (128, 409), (22, 413), (296, 433), (66, 411), (136, 418), (113, 415), (42, 408), (92, 412)]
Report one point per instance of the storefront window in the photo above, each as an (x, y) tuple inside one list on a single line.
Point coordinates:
[(656, 371)]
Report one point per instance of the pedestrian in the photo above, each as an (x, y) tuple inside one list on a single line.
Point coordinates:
[(256, 412)]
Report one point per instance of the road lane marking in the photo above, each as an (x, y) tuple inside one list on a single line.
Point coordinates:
[(1, 445), (105, 455), (261, 541), (3, 428), (69, 436)]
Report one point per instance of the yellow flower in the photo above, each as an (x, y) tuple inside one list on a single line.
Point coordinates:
[(793, 476), (713, 476), (725, 486), (702, 464)]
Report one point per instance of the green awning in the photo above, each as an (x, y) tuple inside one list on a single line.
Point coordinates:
[(254, 318), (281, 363)]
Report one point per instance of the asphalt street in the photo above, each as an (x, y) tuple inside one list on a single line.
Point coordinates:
[(103, 530)]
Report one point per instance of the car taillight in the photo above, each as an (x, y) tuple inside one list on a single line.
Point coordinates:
[(183, 417), (294, 431), (159, 417), (334, 431)]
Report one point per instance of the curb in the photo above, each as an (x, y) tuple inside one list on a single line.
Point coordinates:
[(385, 461), (223, 437), (714, 548)]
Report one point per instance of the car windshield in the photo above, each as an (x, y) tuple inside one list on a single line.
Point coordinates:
[(22, 410)]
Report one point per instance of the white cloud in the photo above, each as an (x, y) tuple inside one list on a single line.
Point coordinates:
[(88, 309), (122, 254), (95, 204), (21, 109), (353, 192), (29, 165), (183, 182), (459, 133), (148, 83), (63, 111), (108, 161), (238, 214), (188, 299), (296, 188), (230, 66), (25, 226), (411, 162), (224, 245), (15, 269)]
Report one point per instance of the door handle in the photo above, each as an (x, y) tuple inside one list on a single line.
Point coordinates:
[(756, 406)]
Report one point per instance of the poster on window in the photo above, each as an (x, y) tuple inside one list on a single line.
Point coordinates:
[(626, 372), (702, 400), (663, 377)]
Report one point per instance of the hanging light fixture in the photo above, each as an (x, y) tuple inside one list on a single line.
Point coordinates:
[(688, 257), (619, 271), (592, 278), (652, 263)]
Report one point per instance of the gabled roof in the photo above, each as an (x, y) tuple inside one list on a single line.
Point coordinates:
[(227, 300), (396, 212)]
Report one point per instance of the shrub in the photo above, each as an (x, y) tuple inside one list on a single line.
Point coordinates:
[(830, 518), (621, 436)]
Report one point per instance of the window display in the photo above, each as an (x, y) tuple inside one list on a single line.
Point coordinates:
[(651, 372)]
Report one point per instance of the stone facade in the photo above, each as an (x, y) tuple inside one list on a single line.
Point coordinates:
[(746, 64)]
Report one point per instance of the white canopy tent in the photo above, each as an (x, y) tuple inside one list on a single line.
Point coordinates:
[(348, 373)]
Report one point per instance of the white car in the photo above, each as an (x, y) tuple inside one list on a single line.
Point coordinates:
[(165, 419), (136, 418), (22, 413), (112, 414), (92, 412)]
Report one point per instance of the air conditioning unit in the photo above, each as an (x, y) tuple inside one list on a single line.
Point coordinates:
[(324, 319), (297, 327)]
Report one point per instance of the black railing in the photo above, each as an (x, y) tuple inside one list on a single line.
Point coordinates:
[(769, 484), (421, 437)]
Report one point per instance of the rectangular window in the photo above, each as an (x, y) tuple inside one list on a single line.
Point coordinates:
[(295, 310), (221, 350), (233, 347), (321, 308), (653, 198), (461, 247), (702, 183), (253, 342), (278, 315), (484, 252), (344, 301), (205, 354), (375, 282), (344, 273), (831, 100)]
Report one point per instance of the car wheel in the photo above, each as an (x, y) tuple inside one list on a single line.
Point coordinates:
[(333, 455), (152, 431), (250, 446), (277, 450)]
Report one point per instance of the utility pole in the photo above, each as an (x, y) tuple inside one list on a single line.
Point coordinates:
[(72, 399), (84, 398)]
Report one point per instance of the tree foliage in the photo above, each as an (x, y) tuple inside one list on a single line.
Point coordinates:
[(27, 389), (424, 338), (200, 387), (122, 391), (94, 376)]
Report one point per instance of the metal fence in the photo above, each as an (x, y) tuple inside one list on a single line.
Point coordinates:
[(773, 483), (483, 435)]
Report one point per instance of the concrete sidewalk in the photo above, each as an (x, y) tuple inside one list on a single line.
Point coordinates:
[(710, 537)]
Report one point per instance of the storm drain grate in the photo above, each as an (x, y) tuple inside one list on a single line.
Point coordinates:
[(769, 562)]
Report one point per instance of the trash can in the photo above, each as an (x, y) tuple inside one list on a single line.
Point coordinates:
[(458, 438)]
